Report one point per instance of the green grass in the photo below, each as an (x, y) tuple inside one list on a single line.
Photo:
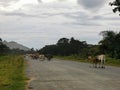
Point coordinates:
[(113, 62), (72, 58), (109, 61), (12, 74)]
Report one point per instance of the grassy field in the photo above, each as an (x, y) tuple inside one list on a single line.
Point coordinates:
[(109, 61), (12, 75)]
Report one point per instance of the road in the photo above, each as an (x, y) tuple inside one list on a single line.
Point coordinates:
[(70, 75)]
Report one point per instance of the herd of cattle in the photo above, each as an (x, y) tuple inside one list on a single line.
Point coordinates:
[(98, 61), (43, 57)]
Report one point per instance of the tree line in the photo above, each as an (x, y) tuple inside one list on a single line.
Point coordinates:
[(110, 45)]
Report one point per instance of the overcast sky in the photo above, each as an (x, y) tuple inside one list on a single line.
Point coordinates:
[(35, 23)]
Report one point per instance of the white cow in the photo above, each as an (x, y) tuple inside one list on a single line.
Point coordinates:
[(42, 57), (101, 58)]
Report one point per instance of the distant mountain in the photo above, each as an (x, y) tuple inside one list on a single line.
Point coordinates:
[(15, 45)]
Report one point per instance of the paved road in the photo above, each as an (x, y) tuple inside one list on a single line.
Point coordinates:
[(70, 75)]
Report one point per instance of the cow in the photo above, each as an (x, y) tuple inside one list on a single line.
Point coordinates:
[(34, 56), (49, 57), (98, 60), (101, 58), (42, 57)]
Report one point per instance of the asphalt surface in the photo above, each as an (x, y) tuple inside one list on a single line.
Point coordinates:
[(70, 75)]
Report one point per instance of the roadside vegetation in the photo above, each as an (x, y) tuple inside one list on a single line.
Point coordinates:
[(78, 50), (109, 61), (12, 74), (12, 65)]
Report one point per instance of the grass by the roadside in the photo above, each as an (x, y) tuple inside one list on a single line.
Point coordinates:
[(72, 58), (109, 61), (113, 62), (12, 76)]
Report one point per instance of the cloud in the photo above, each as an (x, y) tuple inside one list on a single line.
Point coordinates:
[(17, 4), (18, 14), (92, 4), (21, 14), (6, 3), (49, 20), (39, 1)]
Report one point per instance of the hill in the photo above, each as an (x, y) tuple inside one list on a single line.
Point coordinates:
[(15, 45)]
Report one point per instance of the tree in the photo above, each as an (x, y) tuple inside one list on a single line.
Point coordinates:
[(110, 43), (3, 48), (117, 45), (49, 49), (77, 46), (63, 46), (107, 44), (116, 3), (63, 41), (0, 41)]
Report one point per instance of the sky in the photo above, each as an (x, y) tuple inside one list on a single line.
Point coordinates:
[(36, 23)]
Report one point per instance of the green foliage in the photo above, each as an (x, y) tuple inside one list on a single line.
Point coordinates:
[(74, 57), (65, 47), (12, 75), (110, 43), (109, 61), (3, 48), (112, 61), (63, 41), (48, 49), (116, 3)]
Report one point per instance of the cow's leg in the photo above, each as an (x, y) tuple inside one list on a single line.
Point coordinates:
[(103, 63), (95, 65), (43, 58), (99, 64)]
